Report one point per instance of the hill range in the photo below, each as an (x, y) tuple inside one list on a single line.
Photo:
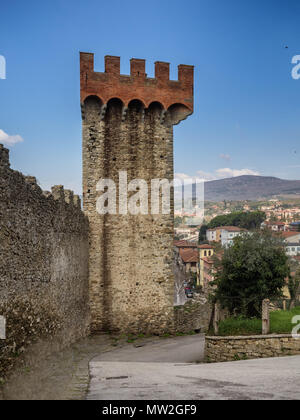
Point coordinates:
[(249, 187)]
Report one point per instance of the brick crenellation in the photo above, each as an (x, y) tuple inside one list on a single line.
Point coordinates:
[(111, 84)]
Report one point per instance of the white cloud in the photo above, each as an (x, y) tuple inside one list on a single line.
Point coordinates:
[(206, 176), (230, 173), (8, 140), (200, 175), (225, 156), (181, 176), (218, 174)]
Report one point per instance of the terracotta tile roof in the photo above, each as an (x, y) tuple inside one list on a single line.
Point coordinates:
[(228, 228), (207, 260), (205, 246), (185, 244), (232, 229), (189, 255), (274, 223), (288, 234)]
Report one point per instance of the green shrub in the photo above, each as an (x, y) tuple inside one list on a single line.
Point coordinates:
[(280, 323)]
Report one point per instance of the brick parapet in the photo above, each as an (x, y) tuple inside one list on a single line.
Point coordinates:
[(111, 84)]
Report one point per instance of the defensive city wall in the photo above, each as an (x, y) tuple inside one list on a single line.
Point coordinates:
[(64, 271), (43, 265)]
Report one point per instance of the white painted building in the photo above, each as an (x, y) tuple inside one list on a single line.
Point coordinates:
[(228, 233), (224, 234), (211, 235), (293, 249), (188, 233), (275, 226)]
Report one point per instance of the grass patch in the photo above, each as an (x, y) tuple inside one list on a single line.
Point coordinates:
[(132, 338), (280, 323), (181, 334)]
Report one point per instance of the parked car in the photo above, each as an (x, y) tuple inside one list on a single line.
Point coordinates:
[(189, 294)]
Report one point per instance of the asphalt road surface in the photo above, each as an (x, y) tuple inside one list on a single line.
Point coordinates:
[(170, 370)]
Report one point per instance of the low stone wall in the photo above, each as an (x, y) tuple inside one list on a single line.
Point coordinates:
[(44, 290), (194, 315), (225, 349)]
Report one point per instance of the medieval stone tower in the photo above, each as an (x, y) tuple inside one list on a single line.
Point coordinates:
[(128, 127)]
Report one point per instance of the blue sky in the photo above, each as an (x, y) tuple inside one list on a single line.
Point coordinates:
[(247, 105)]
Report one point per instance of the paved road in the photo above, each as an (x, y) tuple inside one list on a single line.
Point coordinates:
[(179, 292), (163, 370), (180, 297), (187, 349)]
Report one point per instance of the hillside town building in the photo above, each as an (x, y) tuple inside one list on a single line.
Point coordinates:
[(275, 226), (224, 234)]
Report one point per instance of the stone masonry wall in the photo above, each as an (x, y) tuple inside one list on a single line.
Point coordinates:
[(225, 349), (194, 315), (127, 124), (131, 277), (43, 264)]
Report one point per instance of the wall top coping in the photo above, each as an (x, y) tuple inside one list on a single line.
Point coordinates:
[(58, 193), (248, 337)]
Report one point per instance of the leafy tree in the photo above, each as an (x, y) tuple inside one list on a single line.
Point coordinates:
[(252, 269), (193, 279), (247, 220), (202, 234), (294, 288)]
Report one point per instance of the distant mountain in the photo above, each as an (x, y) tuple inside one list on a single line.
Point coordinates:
[(249, 187)]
